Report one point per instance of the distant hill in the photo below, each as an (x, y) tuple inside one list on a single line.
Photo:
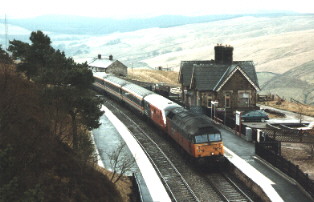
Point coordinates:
[(280, 45), (275, 44), (297, 83), (265, 77), (63, 24)]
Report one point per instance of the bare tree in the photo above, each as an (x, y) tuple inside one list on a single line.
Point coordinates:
[(300, 112), (120, 163)]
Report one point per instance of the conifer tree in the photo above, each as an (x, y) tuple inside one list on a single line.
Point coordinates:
[(64, 79)]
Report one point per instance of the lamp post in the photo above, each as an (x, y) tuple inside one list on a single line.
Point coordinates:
[(238, 120), (214, 104)]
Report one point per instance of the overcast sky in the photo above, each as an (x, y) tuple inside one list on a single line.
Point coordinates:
[(147, 8)]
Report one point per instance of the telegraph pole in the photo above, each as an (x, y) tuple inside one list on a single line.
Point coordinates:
[(6, 30)]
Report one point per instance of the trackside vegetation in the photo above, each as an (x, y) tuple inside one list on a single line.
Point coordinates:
[(46, 113)]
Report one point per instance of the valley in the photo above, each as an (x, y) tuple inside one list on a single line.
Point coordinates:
[(281, 47)]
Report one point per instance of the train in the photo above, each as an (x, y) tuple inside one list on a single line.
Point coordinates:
[(192, 132)]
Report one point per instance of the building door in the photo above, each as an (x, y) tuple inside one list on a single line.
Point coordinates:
[(227, 100)]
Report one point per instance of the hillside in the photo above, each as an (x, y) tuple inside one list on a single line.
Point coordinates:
[(35, 162), (74, 25), (276, 43), (297, 83), (154, 76), (264, 78)]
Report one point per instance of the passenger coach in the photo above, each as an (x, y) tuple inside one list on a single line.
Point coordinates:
[(194, 133), (110, 84), (157, 108), (134, 96)]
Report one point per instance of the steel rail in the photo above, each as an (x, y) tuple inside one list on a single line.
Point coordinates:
[(175, 184)]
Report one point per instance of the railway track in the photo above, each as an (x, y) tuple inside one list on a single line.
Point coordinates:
[(178, 181), (177, 187), (226, 188)]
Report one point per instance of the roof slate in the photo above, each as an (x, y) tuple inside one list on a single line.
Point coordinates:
[(207, 75)]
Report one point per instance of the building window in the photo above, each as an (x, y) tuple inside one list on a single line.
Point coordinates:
[(209, 100), (227, 100), (244, 98)]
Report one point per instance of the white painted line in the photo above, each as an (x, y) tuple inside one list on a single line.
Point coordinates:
[(262, 181), (152, 180)]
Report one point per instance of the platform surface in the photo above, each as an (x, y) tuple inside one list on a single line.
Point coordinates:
[(240, 152), (275, 185), (154, 185)]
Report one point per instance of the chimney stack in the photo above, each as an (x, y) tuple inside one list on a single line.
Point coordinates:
[(223, 54), (99, 56), (110, 57)]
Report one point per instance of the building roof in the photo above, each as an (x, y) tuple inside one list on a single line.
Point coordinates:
[(101, 63), (207, 75)]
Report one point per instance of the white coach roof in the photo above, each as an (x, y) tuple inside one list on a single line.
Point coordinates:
[(160, 102)]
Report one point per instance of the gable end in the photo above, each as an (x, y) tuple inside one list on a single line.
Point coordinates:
[(238, 68)]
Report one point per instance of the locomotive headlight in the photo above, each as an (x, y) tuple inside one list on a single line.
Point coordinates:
[(212, 153)]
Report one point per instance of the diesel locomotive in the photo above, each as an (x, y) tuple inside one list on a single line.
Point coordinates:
[(194, 133)]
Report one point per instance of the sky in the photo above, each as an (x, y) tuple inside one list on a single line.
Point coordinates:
[(146, 8)]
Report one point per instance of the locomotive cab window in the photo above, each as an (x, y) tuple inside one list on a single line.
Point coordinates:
[(216, 137), (201, 138)]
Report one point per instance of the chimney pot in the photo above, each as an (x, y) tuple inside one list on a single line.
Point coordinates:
[(223, 54)]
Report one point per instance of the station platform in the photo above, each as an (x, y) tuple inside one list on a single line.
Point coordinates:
[(276, 185), (150, 182), (239, 152)]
